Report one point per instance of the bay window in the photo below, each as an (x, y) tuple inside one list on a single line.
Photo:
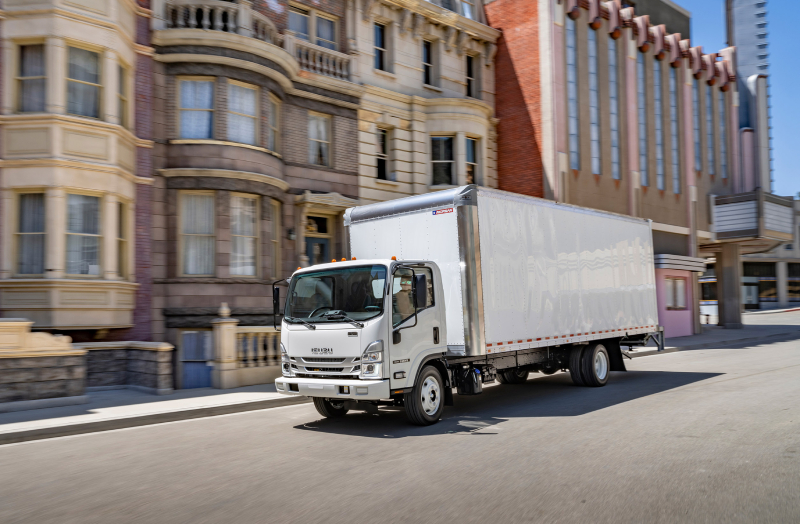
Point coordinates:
[(242, 113), (83, 235), (244, 235), (83, 83), (30, 234), (32, 78), (196, 108), (197, 233)]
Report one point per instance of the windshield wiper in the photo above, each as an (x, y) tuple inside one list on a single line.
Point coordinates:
[(339, 315), (301, 321)]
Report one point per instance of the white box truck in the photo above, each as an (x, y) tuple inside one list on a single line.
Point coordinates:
[(457, 288)]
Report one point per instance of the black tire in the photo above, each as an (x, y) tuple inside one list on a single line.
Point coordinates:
[(501, 378), (575, 366), (329, 409), (595, 365), (516, 375), (428, 410)]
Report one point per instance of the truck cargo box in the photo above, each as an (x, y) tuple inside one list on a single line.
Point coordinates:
[(519, 272)]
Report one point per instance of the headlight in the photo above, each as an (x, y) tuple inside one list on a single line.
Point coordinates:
[(371, 361), (286, 364)]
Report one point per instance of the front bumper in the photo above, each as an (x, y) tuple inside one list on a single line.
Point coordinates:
[(326, 388)]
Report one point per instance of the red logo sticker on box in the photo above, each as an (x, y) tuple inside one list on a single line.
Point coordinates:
[(443, 211)]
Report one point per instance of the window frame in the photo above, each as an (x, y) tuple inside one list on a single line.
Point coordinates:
[(476, 173), (275, 241), (313, 15), (428, 68), (256, 117), (641, 110), (452, 161), (18, 234), (100, 72), (671, 293), (710, 149), (317, 38), (593, 62), (19, 79), (179, 109), (658, 121), (381, 54), (329, 131), (123, 98), (122, 239), (182, 235), (573, 102), (675, 139), (723, 135), (274, 133), (614, 108), (302, 11), (100, 235), (256, 236)]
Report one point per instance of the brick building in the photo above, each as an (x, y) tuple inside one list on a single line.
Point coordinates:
[(601, 106)]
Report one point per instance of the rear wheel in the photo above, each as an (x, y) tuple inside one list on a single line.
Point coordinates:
[(329, 408), (425, 403), (575, 366), (595, 365), (549, 369), (516, 376)]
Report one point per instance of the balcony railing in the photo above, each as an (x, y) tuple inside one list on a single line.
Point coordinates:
[(239, 18)]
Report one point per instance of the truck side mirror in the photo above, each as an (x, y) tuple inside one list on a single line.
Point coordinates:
[(276, 305), (420, 291)]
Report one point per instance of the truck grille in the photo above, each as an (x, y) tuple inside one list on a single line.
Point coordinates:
[(322, 359), (313, 367)]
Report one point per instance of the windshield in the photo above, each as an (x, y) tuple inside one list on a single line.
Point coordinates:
[(325, 296)]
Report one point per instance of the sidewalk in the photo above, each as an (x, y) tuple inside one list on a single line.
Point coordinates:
[(124, 408)]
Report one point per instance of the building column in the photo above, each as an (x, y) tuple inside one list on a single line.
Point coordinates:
[(56, 58), (729, 286), (110, 228), (7, 262), (782, 272), (110, 72), (55, 227)]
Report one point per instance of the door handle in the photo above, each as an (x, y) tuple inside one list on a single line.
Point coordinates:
[(436, 335)]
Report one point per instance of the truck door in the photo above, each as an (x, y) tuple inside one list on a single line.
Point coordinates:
[(418, 340)]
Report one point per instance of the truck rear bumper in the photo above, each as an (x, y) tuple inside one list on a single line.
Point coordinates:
[(320, 387)]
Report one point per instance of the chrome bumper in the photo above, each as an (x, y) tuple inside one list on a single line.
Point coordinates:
[(327, 388)]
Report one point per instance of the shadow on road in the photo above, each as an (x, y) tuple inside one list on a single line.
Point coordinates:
[(553, 396)]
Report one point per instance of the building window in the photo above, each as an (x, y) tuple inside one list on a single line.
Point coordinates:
[(83, 235), (299, 23), (723, 145), (710, 129), (122, 96), (673, 130), (675, 293), (383, 154), (572, 97), (276, 238), (83, 83), (659, 123), (427, 62), (613, 107), (242, 113), (197, 233), (468, 9), (380, 47), (326, 32), (196, 108), (442, 159), (698, 154), (244, 232), (30, 234), (122, 240), (641, 99), (594, 104), (274, 124), (471, 87), (32, 79), (319, 141), (472, 161)]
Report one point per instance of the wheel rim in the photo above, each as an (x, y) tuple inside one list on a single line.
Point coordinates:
[(431, 395), (601, 365), (521, 373), (336, 404)]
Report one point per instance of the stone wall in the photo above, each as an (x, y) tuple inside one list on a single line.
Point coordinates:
[(146, 366), (37, 378)]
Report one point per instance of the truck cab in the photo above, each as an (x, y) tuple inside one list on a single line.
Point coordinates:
[(356, 333)]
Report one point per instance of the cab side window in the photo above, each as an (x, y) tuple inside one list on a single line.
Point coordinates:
[(402, 295)]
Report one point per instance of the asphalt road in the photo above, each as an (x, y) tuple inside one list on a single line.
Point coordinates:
[(698, 436)]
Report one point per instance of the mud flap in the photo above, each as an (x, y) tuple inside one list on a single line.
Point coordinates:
[(617, 363), (448, 396)]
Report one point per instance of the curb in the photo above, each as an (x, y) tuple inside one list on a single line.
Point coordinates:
[(772, 311), (25, 435), (738, 342)]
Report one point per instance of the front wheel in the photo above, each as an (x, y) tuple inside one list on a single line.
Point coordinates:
[(516, 376), (329, 408), (425, 403)]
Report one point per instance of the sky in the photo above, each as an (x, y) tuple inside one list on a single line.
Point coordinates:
[(708, 30)]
